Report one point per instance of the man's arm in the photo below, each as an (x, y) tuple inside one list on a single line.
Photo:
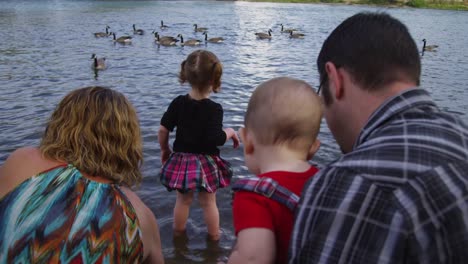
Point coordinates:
[(344, 218)]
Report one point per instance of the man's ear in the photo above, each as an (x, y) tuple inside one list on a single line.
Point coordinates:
[(335, 80), (246, 140), (313, 149)]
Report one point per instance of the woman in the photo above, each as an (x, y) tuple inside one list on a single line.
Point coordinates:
[(70, 199)]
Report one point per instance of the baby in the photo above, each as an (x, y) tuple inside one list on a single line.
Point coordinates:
[(280, 136)]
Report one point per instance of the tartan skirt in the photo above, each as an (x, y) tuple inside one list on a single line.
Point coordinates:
[(195, 172)]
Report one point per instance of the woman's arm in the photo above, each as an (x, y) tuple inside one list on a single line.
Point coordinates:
[(149, 229)]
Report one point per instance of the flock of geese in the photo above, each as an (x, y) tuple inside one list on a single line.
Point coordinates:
[(289, 31), (100, 63), (161, 40)]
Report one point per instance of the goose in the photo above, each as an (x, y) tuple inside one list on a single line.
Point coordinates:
[(428, 47), (138, 31), (123, 39), (163, 26), (289, 30), (213, 40), (102, 34), (98, 64), (166, 41), (262, 35), (199, 29), (190, 42), (296, 35), (157, 37)]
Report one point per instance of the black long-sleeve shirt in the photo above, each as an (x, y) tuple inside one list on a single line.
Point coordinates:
[(199, 125)]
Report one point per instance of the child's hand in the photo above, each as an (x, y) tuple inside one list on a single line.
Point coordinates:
[(231, 134), (222, 260), (165, 156), (235, 140)]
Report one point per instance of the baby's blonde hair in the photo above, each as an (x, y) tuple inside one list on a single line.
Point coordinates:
[(202, 69), (284, 111), (96, 129)]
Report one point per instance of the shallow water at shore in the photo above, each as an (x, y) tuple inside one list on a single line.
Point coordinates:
[(46, 48)]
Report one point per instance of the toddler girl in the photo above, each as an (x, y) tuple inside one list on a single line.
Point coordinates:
[(194, 164)]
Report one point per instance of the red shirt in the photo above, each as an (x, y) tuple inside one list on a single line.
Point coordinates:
[(255, 210)]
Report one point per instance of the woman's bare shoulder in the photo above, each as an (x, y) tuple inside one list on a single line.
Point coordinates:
[(22, 164), (25, 152)]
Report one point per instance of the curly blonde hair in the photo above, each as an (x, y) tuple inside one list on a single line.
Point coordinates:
[(97, 130), (202, 69)]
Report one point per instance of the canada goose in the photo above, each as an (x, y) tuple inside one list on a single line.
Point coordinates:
[(199, 29), (123, 39), (289, 30), (138, 31), (166, 41), (213, 40), (163, 26), (190, 42), (157, 37), (262, 35), (428, 47), (296, 35), (98, 64), (102, 34)]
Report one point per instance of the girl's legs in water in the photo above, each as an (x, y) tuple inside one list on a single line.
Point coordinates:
[(210, 212), (181, 212)]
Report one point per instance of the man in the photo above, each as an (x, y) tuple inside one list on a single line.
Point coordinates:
[(399, 193)]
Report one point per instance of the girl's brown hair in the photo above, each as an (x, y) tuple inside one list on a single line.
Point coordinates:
[(96, 129), (202, 69)]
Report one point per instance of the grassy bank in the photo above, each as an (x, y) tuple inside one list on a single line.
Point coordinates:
[(438, 4), (450, 5)]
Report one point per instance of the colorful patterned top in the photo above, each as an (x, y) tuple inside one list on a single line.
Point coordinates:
[(59, 216)]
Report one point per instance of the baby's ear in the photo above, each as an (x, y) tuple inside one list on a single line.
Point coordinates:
[(313, 149), (246, 140)]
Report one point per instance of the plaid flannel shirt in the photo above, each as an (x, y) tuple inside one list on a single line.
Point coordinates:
[(401, 195)]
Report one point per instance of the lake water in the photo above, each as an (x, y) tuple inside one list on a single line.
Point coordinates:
[(45, 52)]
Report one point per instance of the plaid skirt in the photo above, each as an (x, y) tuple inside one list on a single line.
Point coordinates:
[(195, 172)]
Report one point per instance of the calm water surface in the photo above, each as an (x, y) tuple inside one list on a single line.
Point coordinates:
[(46, 48)]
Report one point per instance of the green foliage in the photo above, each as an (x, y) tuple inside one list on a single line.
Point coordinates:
[(380, 2), (417, 3), (331, 1), (452, 5), (438, 4)]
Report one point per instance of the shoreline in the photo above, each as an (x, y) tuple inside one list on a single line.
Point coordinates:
[(420, 4)]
